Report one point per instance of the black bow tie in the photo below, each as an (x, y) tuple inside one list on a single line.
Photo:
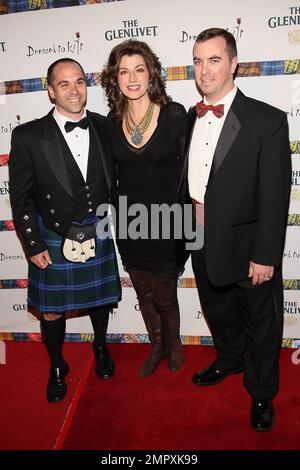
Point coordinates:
[(83, 123)]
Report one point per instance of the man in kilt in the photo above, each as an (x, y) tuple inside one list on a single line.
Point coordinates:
[(60, 171)]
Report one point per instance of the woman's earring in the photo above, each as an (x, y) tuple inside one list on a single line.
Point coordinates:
[(150, 88)]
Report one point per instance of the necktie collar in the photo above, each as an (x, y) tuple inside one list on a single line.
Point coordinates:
[(202, 108), (83, 124)]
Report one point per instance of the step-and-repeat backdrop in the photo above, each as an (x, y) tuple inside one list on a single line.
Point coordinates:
[(35, 33)]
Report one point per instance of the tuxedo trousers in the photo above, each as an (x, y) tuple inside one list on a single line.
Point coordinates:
[(246, 323)]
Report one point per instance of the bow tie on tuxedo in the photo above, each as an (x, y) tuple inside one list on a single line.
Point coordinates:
[(83, 123), (202, 108)]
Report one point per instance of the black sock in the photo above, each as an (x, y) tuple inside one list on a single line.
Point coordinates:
[(99, 318), (54, 333)]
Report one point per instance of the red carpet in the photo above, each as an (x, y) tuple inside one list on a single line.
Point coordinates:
[(167, 411), (27, 421), (164, 411)]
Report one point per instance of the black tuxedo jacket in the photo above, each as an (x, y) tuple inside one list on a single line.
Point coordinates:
[(246, 199), (39, 181)]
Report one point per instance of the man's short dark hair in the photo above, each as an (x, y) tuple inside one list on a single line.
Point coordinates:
[(50, 71), (216, 32)]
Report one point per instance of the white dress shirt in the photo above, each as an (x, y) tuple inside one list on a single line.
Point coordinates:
[(78, 141), (204, 140)]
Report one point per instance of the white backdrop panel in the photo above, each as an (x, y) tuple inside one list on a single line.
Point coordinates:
[(295, 190), (14, 315), (292, 314), (84, 33), (291, 257), (5, 208), (13, 263), (278, 90)]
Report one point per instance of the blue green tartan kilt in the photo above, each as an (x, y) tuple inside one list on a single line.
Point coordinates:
[(65, 286)]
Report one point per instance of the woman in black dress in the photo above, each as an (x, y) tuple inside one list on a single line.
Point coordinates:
[(147, 132)]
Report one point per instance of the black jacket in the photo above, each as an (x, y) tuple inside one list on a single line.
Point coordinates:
[(246, 200), (39, 181)]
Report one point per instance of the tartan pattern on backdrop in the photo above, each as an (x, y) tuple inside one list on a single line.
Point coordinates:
[(184, 72), (18, 6)]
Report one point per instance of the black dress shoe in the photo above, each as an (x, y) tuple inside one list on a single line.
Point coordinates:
[(57, 388), (212, 375), (262, 415), (105, 366)]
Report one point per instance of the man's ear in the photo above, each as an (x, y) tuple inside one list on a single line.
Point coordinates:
[(233, 65), (51, 92)]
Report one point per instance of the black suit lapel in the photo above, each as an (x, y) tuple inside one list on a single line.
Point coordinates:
[(190, 127), (230, 130), (228, 135), (98, 133), (93, 155), (53, 153)]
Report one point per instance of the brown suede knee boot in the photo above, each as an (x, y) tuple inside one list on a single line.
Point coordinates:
[(166, 303), (142, 282), (156, 355)]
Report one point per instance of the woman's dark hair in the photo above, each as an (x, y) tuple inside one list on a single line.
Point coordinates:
[(117, 102)]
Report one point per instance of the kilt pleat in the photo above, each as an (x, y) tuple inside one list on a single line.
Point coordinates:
[(65, 286)]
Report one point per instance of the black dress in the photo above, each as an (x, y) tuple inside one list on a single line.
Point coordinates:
[(149, 175)]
